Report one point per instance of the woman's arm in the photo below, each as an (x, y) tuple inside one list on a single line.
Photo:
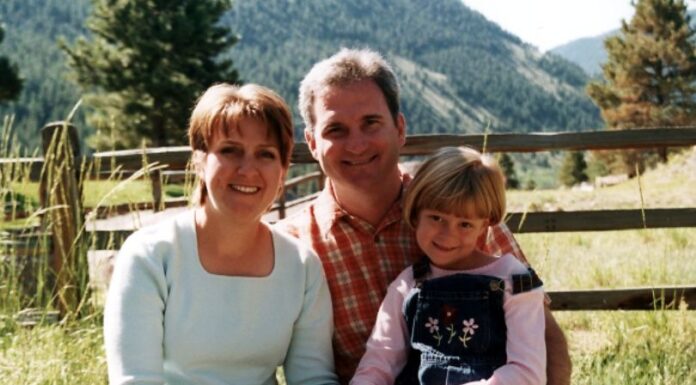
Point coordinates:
[(387, 349), (310, 356), (133, 317)]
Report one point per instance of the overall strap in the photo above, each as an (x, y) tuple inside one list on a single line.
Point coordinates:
[(526, 281), (420, 270)]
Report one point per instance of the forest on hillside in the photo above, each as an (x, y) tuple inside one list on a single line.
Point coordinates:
[(459, 72)]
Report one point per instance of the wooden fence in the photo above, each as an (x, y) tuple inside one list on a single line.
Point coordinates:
[(174, 160)]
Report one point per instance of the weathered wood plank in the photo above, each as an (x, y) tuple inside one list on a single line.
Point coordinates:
[(600, 220), (534, 142), (646, 298), (177, 157)]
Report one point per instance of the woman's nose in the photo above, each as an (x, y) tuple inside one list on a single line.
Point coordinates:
[(246, 165)]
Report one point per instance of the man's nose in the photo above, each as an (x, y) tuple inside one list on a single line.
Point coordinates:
[(356, 143)]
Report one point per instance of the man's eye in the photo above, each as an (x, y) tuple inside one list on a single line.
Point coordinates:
[(268, 154)]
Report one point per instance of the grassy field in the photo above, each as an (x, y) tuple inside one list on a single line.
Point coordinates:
[(610, 347)]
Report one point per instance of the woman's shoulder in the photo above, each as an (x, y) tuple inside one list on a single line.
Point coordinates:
[(165, 234), (288, 247)]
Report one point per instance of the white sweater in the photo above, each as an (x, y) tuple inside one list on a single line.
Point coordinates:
[(168, 321)]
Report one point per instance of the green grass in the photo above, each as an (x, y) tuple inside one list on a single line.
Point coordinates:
[(607, 347)]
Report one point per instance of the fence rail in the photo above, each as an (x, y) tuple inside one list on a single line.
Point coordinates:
[(177, 157), (175, 160)]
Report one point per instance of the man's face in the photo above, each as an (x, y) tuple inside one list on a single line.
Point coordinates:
[(355, 138)]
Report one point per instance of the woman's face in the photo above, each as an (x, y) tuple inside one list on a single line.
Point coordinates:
[(242, 170)]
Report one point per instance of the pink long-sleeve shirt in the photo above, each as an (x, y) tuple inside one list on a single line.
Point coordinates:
[(388, 346)]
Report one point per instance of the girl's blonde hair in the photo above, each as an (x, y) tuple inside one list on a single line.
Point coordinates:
[(223, 106), (457, 180)]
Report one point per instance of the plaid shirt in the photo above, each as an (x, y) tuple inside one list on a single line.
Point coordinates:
[(360, 261)]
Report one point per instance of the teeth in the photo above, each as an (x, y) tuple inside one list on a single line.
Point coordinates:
[(245, 189), (358, 162)]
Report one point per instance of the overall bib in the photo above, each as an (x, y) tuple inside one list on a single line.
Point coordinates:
[(457, 326)]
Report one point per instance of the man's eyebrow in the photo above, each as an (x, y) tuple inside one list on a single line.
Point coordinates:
[(372, 116)]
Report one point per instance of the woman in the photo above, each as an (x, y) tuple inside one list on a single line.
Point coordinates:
[(216, 296)]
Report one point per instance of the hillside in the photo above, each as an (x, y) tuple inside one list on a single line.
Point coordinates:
[(459, 72), (589, 53)]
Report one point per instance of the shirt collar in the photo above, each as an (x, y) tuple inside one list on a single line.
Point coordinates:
[(328, 211)]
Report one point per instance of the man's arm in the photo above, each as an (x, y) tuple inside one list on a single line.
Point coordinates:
[(558, 365)]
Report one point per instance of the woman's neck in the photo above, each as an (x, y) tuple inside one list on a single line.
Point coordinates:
[(229, 247)]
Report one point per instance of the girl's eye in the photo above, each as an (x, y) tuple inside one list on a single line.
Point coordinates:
[(465, 225), (435, 218)]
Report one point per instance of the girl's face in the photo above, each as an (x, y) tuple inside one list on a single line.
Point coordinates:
[(450, 241), (242, 171)]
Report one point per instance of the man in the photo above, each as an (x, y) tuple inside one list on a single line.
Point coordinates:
[(354, 129)]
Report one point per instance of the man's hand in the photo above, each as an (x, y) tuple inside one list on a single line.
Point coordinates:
[(558, 365)]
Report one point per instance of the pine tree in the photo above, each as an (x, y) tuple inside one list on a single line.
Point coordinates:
[(650, 75), (508, 168), (573, 170), (146, 63), (10, 82)]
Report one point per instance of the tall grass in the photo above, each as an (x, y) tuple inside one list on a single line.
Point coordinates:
[(607, 347)]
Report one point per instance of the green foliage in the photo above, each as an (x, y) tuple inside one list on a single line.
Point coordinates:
[(10, 82), (146, 62), (650, 75), (458, 71), (508, 168), (574, 168)]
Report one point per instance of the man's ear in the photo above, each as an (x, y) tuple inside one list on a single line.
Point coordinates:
[(311, 143), (401, 127)]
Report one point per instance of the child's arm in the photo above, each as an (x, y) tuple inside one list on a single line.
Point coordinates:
[(526, 349), (387, 349)]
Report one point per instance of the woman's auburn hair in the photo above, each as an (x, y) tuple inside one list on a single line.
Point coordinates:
[(457, 180), (220, 109)]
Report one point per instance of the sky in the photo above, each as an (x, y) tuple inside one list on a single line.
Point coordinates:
[(549, 23)]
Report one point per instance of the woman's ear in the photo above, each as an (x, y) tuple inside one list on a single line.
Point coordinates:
[(198, 160)]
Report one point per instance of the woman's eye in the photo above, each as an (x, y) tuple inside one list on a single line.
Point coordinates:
[(229, 150), (435, 218)]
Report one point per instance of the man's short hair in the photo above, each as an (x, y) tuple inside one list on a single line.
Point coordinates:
[(345, 67)]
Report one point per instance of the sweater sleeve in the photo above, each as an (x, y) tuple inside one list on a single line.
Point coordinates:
[(133, 316), (387, 349), (310, 355)]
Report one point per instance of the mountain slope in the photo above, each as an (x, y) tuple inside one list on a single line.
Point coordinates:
[(459, 72), (589, 53)]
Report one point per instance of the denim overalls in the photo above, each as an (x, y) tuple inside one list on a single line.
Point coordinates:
[(457, 326)]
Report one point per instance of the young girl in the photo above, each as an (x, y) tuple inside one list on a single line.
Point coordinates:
[(459, 315)]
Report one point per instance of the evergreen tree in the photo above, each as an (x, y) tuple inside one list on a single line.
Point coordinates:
[(573, 170), (10, 82), (146, 63), (508, 168), (650, 74)]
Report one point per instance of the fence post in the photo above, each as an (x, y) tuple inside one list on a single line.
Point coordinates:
[(61, 198), (281, 204), (156, 180)]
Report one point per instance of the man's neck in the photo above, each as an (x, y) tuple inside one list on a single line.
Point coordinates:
[(370, 206)]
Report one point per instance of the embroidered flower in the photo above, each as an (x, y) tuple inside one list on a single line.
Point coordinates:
[(432, 325), (469, 326), (448, 313)]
